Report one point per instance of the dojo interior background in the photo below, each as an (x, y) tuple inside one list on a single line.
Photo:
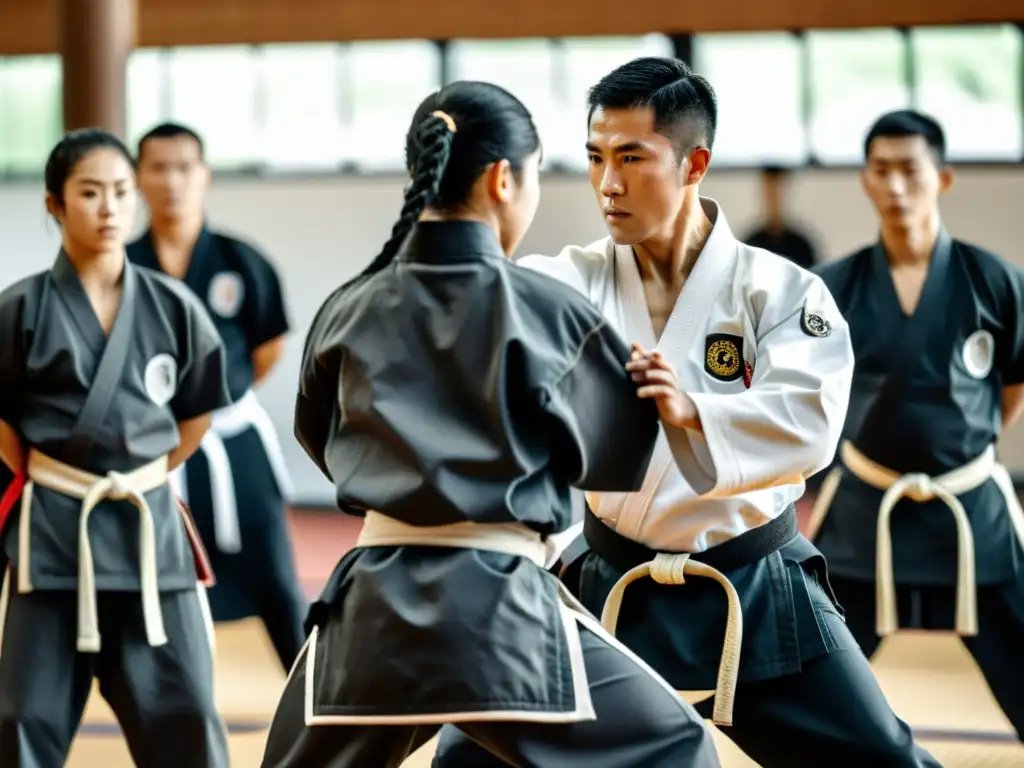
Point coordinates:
[(307, 142)]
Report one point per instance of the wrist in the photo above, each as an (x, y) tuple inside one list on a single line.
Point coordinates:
[(688, 416)]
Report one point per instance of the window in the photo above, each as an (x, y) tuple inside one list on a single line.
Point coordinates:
[(969, 79), (301, 88), (213, 90), (524, 67), (147, 91), (855, 77), (386, 82), (31, 112), (585, 60), (758, 79)]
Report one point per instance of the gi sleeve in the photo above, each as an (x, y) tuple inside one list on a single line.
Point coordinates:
[(317, 403), (12, 358), (202, 381), (1010, 340), (604, 434), (787, 425), (266, 316)]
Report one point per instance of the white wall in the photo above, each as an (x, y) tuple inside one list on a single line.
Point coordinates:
[(321, 231)]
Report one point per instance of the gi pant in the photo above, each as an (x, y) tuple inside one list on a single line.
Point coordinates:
[(162, 696), (261, 579), (830, 713), (998, 648), (640, 722)]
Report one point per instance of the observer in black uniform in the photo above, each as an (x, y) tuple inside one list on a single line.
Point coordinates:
[(108, 376), (777, 233), (237, 483), (454, 399), (938, 333)]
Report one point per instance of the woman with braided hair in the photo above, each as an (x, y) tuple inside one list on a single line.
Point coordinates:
[(454, 400)]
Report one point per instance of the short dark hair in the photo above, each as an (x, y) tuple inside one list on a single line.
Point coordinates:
[(71, 150), (908, 122), (171, 131), (684, 103)]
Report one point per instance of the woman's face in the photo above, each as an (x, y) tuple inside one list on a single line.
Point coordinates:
[(98, 211), (521, 205)]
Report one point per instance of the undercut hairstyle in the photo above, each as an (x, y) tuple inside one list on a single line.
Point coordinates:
[(171, 131), (71, 150), (490, 125), (908, 122), (684, 104)]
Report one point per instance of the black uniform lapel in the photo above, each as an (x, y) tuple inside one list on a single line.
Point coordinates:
[(107, 378), (910, 335)]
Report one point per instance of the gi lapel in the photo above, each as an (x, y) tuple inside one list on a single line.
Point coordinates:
[(106, 378), (916, 329), (691, 310)]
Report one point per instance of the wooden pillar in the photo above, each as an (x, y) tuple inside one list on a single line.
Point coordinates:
[(96, 38)]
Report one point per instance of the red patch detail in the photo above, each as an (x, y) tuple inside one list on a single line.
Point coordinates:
[(204, 570), (748, 374), (11, 496)]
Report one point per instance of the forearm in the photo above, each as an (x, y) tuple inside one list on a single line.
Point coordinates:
[(1013, 404), (265, 358), (190, 435), (756, 440), (12, 451)]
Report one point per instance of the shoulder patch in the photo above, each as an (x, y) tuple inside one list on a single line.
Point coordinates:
[(979, 354), (723, 356), (227, 292), (814, 324), (161, 379)]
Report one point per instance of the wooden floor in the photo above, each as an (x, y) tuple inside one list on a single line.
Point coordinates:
[(930, 681)]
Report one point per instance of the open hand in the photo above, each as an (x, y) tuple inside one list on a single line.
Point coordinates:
[(657, 379)]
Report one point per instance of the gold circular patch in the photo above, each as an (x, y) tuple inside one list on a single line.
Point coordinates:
[(723, 358)]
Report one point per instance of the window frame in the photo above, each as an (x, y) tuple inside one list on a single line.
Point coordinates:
[(260, 165)]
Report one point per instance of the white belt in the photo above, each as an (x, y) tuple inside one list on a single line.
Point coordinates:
[(673, 568), (379, 530), (921, 487), (92, 489), (226, 423)]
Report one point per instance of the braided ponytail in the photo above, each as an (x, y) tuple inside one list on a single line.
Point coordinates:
[(433, 141)]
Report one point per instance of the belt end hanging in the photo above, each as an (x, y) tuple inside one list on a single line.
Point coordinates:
[(88, 642)]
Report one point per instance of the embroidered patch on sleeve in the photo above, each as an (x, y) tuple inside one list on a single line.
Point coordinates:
[(723, 356), (813, 324)]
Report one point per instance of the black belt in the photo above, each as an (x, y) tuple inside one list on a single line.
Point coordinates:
[(745, 549)]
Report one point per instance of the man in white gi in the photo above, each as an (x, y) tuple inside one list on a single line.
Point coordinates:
[(764, 367)]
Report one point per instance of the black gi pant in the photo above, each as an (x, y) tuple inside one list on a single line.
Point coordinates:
[(998, 648), (640, 722), (162, 696), (830, 714), (261, 579)]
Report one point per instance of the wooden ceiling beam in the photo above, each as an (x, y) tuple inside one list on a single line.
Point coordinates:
[(29, 26)]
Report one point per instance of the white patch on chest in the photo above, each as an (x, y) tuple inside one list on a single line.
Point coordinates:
[(979, 354), (161, 379), (227, 292)]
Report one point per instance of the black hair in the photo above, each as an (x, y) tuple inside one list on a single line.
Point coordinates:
[(775, 171), (171, 131), (908, 122), (684, 103), (490, 124), (71, 150)]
